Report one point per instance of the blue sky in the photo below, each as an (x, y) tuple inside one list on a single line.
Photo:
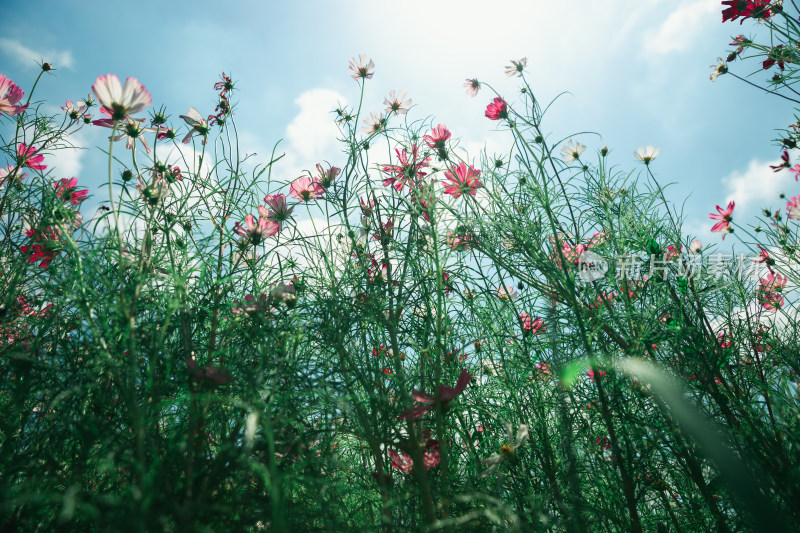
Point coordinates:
[(636, 72)]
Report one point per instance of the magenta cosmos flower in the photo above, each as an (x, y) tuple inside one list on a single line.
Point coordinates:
[(66, 189), (120, 101), (497, 109), (428, 401), (409, 171), (725, 218), (306, 188), (531, 325), (430, 457), (256, 232), (462, 179), (10, 94), (28, 159)]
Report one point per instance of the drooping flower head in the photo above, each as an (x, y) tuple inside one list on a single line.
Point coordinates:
[(28, 158), (10, 94), (199, 125), (305, 189), (361, 69), (121, 101), (67, 190), (725, 218), (462, 179), (497, 109), (473, 86)]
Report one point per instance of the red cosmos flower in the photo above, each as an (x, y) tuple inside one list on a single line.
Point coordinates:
[(43, 246), (745, 9), (214, 375), (428, 401), (256, 232), (462, 179), (497, 109), (437, 138), (28, 159), (776, 55), (10, 94), (408, 171), (531, 326), (66, 189), (224, 86), (725, 218), (306, 188)]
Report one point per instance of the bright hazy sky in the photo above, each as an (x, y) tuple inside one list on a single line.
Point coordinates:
[(636, 72)]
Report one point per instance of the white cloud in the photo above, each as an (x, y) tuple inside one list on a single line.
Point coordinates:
[(66, 162), (29, 57), (313, 131), (682, 26), (757, 187)]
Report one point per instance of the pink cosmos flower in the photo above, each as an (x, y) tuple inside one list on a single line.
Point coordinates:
[(774, 282), (544, 368), (256, 232), (532, 326), (397, 104), (430, 457), (326, 177), (462, 179), (428, 401), (366, 208), (28, 159), (374, 123), (74, 111), (725, 218), (437, 138), (793, 208), (506, 292), (198, 124), (251, 306), (593, 376), (120, 101), (796, 171), (473, 86), (497, 109), (695, 246), (10, 173), (66, 189), (409, 171), (361, 69), (769, 291), (279, 211), (764, 258), (305, 189), (10, 94)]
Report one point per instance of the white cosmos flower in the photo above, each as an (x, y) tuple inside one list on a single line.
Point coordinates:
[(119, 100), (572, 152), (645, 155)]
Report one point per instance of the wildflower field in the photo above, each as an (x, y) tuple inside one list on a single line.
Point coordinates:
[(408, 338)]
